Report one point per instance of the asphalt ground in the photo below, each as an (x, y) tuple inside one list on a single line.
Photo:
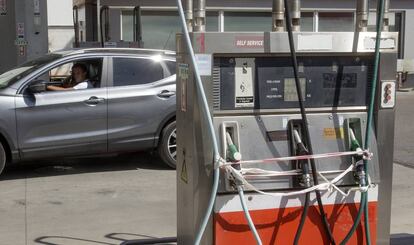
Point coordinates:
[(402, 214), (87, 201), (114, 199)]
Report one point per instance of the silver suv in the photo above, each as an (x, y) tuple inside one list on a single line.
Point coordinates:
[(130, 105)]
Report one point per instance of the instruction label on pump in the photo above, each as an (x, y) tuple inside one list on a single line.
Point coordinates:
[(183, 74), (333, 133), (244, 88), (204, 64)]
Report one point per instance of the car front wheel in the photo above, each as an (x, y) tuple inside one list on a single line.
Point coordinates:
[(167, 148)]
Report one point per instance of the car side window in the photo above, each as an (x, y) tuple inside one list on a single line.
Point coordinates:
[(60, 73), (136, 71), (62, 76)]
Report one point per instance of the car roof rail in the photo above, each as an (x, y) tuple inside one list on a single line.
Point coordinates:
[(123, 50)]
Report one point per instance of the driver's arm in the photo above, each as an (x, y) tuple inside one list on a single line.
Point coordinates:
[(57, 88)]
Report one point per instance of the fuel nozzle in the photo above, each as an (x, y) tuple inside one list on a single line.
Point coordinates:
[(300, 147), (300, 151), (359, 169), (233, 153), (354, 142)]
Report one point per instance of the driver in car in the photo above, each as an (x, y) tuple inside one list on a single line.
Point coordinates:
[(80, 77)]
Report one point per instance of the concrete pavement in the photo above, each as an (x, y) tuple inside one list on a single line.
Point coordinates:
[(90, 201), (402, 214), (404, 129)]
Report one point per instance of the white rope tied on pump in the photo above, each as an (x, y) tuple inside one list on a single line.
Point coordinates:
[(253, 173)]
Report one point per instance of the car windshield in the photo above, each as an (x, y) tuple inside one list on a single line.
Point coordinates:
[(12, 76)]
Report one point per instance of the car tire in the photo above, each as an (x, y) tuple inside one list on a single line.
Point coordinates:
[(167, 147), (3, 158)]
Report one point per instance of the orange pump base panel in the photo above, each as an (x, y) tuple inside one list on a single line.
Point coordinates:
[(277, 219)]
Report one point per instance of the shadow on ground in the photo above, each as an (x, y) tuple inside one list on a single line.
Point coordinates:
[(402, 239), (119, 238), (45, 168)]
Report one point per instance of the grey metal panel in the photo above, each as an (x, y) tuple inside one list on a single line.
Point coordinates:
[(385, 122), (277, 42), (342, 42), (36, 36), (194, 153), (8, 50), (288, 111)]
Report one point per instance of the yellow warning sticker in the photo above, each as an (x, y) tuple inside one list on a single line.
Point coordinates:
[(184, 176), (333, 133)]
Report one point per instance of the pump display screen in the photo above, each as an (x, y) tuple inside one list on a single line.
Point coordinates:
[(291, 93), (348, 80), (326, 81)]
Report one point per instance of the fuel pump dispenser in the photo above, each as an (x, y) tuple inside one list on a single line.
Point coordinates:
[(23, 25), (275, 133)]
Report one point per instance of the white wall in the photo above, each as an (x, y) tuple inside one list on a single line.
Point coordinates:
[(60, 38), (59, 12), (60, 21)]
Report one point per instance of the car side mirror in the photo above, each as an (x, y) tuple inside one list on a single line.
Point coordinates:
[(37, 86)]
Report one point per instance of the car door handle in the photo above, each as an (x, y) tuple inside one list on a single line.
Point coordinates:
[(166, 94), (94, 100)]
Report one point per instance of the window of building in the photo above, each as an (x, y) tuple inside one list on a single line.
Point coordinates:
[(247, 21), (306, 21), (136, 71), (160, 27), (336, 21), (244, 21), (212, 21)]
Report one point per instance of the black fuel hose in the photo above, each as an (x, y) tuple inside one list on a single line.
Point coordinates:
[(304, 165), (305, 122), (305, 173), (302, 218)]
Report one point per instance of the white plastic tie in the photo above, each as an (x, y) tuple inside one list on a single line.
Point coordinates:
[(365, 153)]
